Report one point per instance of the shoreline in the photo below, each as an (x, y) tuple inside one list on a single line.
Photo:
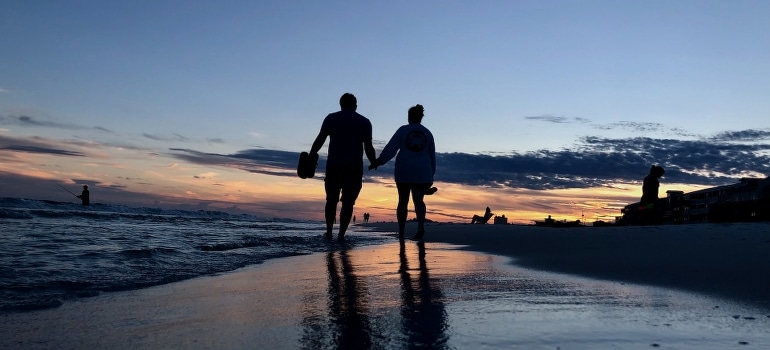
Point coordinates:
[(728, 260), (465, 286)]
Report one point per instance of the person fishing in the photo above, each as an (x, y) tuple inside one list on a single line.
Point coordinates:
[(85, 196)]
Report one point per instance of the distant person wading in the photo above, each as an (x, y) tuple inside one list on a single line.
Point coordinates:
[(85, 196)]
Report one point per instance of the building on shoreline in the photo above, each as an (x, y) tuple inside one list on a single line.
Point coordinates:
[(748, 200)]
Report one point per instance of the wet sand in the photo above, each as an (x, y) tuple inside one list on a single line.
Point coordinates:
[(726, 260), (434, 295)]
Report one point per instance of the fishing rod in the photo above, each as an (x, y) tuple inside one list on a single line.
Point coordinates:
[(65, 188)]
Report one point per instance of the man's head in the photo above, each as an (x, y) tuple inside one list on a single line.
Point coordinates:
[(416, 113), (348, 102)]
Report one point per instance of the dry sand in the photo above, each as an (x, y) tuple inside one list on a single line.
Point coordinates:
[(726, 260)]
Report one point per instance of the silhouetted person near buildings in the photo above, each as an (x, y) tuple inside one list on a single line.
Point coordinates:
[(85, 196), (649, 205), (415, 153), (478, 219), (651, 185), (350, 135)]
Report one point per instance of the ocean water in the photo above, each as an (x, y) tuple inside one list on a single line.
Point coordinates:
[(51, 252)]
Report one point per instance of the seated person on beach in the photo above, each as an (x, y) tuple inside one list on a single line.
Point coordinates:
[(650, 211), (477, 219), (650, 186)]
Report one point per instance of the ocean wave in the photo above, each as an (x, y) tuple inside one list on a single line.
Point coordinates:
[(14, 214), (55, 209), (221, 247), (57, 251), (146, 253)]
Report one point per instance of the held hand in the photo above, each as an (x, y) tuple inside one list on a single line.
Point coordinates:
[(373, 166)]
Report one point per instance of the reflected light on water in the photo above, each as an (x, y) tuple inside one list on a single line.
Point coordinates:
[(434, 296)]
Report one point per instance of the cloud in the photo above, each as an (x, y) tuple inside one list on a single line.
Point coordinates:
[(27, 121), (603, 161), (166, 138), (634, 127), (744, 135), (2, 91), (592, 162), (207, 175), (269, 162), (36, 145), (637, 127), (104, 130), (556, 119)]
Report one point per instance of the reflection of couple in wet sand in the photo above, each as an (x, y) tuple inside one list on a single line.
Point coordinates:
[(350, 137), (351, 322)]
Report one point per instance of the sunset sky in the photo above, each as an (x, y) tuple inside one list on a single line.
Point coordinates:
[(537, 107)]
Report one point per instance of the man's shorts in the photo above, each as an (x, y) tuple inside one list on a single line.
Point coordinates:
[(346, 180)]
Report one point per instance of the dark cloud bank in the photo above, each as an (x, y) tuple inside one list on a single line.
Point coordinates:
[(594, 161)]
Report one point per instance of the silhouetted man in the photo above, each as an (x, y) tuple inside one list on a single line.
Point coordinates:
[(350, 135), (85, 196)]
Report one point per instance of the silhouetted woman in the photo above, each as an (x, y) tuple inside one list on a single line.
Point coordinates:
[(651, 185), (415, 167)]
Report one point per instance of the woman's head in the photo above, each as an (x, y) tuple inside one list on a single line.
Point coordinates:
[(416, 113), (657, 171)]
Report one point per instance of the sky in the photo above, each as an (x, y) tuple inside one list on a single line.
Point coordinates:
[(537, 107)]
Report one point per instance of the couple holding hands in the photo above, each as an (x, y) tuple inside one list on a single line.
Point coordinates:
[(350, 136)]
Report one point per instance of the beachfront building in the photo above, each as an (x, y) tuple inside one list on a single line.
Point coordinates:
[(675, 205), (748, 200)]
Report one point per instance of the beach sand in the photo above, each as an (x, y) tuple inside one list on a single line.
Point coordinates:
[(730, 260), (681, 287)]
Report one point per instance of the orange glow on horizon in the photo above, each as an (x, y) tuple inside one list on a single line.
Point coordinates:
[(222, 188)]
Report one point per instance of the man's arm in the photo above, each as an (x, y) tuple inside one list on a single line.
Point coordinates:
[(370, 153), (318, 143)]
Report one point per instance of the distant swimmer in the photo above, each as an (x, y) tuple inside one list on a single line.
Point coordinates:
[(85, 196)]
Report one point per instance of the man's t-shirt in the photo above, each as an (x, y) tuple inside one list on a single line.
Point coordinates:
[(347, 131)]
